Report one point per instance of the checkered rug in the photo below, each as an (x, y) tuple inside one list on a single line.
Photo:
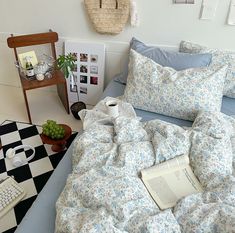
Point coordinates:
[(31, 176)]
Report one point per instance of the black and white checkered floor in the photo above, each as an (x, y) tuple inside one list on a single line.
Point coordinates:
[(33, 175)]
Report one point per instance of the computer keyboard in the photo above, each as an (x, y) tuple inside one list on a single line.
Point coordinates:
[(10, 194)]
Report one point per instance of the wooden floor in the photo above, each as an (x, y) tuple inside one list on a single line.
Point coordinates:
[(44, 104)]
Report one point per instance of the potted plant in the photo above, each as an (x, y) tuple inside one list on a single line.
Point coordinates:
[(66, 64)]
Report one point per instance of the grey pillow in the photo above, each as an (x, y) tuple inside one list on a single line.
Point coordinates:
[(181, 94), (175, 60), (219, 57)]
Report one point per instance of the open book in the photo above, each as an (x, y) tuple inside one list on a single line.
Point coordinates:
[(170, 181)]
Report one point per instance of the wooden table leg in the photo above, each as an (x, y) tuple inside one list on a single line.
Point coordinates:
[(63, 94), (27, 106)]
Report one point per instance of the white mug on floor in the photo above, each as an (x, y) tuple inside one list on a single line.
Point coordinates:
[(112, 108)]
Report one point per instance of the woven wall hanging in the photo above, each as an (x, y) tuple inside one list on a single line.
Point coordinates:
[(108, 16)]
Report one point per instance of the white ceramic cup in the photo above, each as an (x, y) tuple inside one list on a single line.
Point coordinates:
[(112, 108)]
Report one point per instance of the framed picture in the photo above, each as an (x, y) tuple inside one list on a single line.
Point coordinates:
[(75, 55), (83, 69), (83, 79), (89, 71), (31, 55), (84, 57), (75, 79), (73, 88), (83, 90), (183, 1), (94, 69), (75, 68), (94, 58), (94, 80)]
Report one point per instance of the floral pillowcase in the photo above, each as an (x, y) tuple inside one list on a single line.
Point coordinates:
[(219, 57), (181, 94)]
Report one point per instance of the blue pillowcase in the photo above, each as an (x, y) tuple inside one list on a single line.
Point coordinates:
[(175, 60)]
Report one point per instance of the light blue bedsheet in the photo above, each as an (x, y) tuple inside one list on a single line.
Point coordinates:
[(41, 216)]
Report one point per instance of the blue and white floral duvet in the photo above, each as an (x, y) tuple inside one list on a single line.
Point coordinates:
[(104, 193)]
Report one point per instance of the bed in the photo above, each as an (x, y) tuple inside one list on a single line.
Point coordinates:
[(41, 216)]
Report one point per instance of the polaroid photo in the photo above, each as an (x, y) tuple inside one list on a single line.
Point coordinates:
[(94, 69), (73, 88), (75, 55), (83, 69), (94, 58), (83, 79), (94, 80), (83, 90), (75, 68), (74, 77), (83, 57)]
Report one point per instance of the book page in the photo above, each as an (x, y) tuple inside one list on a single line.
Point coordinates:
[(170, 185), (172, 164)]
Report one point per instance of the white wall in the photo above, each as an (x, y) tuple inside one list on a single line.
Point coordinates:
[(162, 23)]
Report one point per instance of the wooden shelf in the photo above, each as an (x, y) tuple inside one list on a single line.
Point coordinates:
[(57, 77)]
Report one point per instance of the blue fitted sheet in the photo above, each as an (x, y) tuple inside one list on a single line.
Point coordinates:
[(41, 216)]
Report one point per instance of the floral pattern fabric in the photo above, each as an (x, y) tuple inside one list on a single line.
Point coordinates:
[(181, 94), (104, 193), (219, 57), (99, 114)]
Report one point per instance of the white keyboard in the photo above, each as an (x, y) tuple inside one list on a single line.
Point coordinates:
[(10, 194)]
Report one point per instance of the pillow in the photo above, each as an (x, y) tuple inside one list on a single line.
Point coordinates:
[(181, 94), (219, 57), (176, 60)]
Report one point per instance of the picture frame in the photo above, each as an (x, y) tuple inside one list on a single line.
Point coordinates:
[(94, 69), (183, 1), (32, 56), (73, 88), (90, 64)]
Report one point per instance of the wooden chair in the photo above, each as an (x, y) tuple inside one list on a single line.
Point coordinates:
[(57, 76)]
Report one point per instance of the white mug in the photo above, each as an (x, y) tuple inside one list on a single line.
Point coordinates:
[(112, 108)]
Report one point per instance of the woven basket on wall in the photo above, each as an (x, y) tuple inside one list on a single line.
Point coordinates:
[(108, 16)]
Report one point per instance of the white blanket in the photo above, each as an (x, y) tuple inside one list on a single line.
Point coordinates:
[(104, 192)]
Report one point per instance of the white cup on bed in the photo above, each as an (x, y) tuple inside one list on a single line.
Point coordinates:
[(112, 108)]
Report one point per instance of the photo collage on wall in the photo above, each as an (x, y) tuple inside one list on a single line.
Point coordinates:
[(85, 72), (88, 74)]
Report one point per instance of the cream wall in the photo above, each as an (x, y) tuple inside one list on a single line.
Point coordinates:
[(162, 23)]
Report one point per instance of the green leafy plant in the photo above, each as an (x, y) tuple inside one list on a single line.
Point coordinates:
[(66, 63)]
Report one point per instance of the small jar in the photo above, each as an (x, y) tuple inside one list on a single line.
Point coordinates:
[(40, 77), (41, 68)]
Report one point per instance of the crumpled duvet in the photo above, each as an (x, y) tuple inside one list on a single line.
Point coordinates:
[(105, 194)]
